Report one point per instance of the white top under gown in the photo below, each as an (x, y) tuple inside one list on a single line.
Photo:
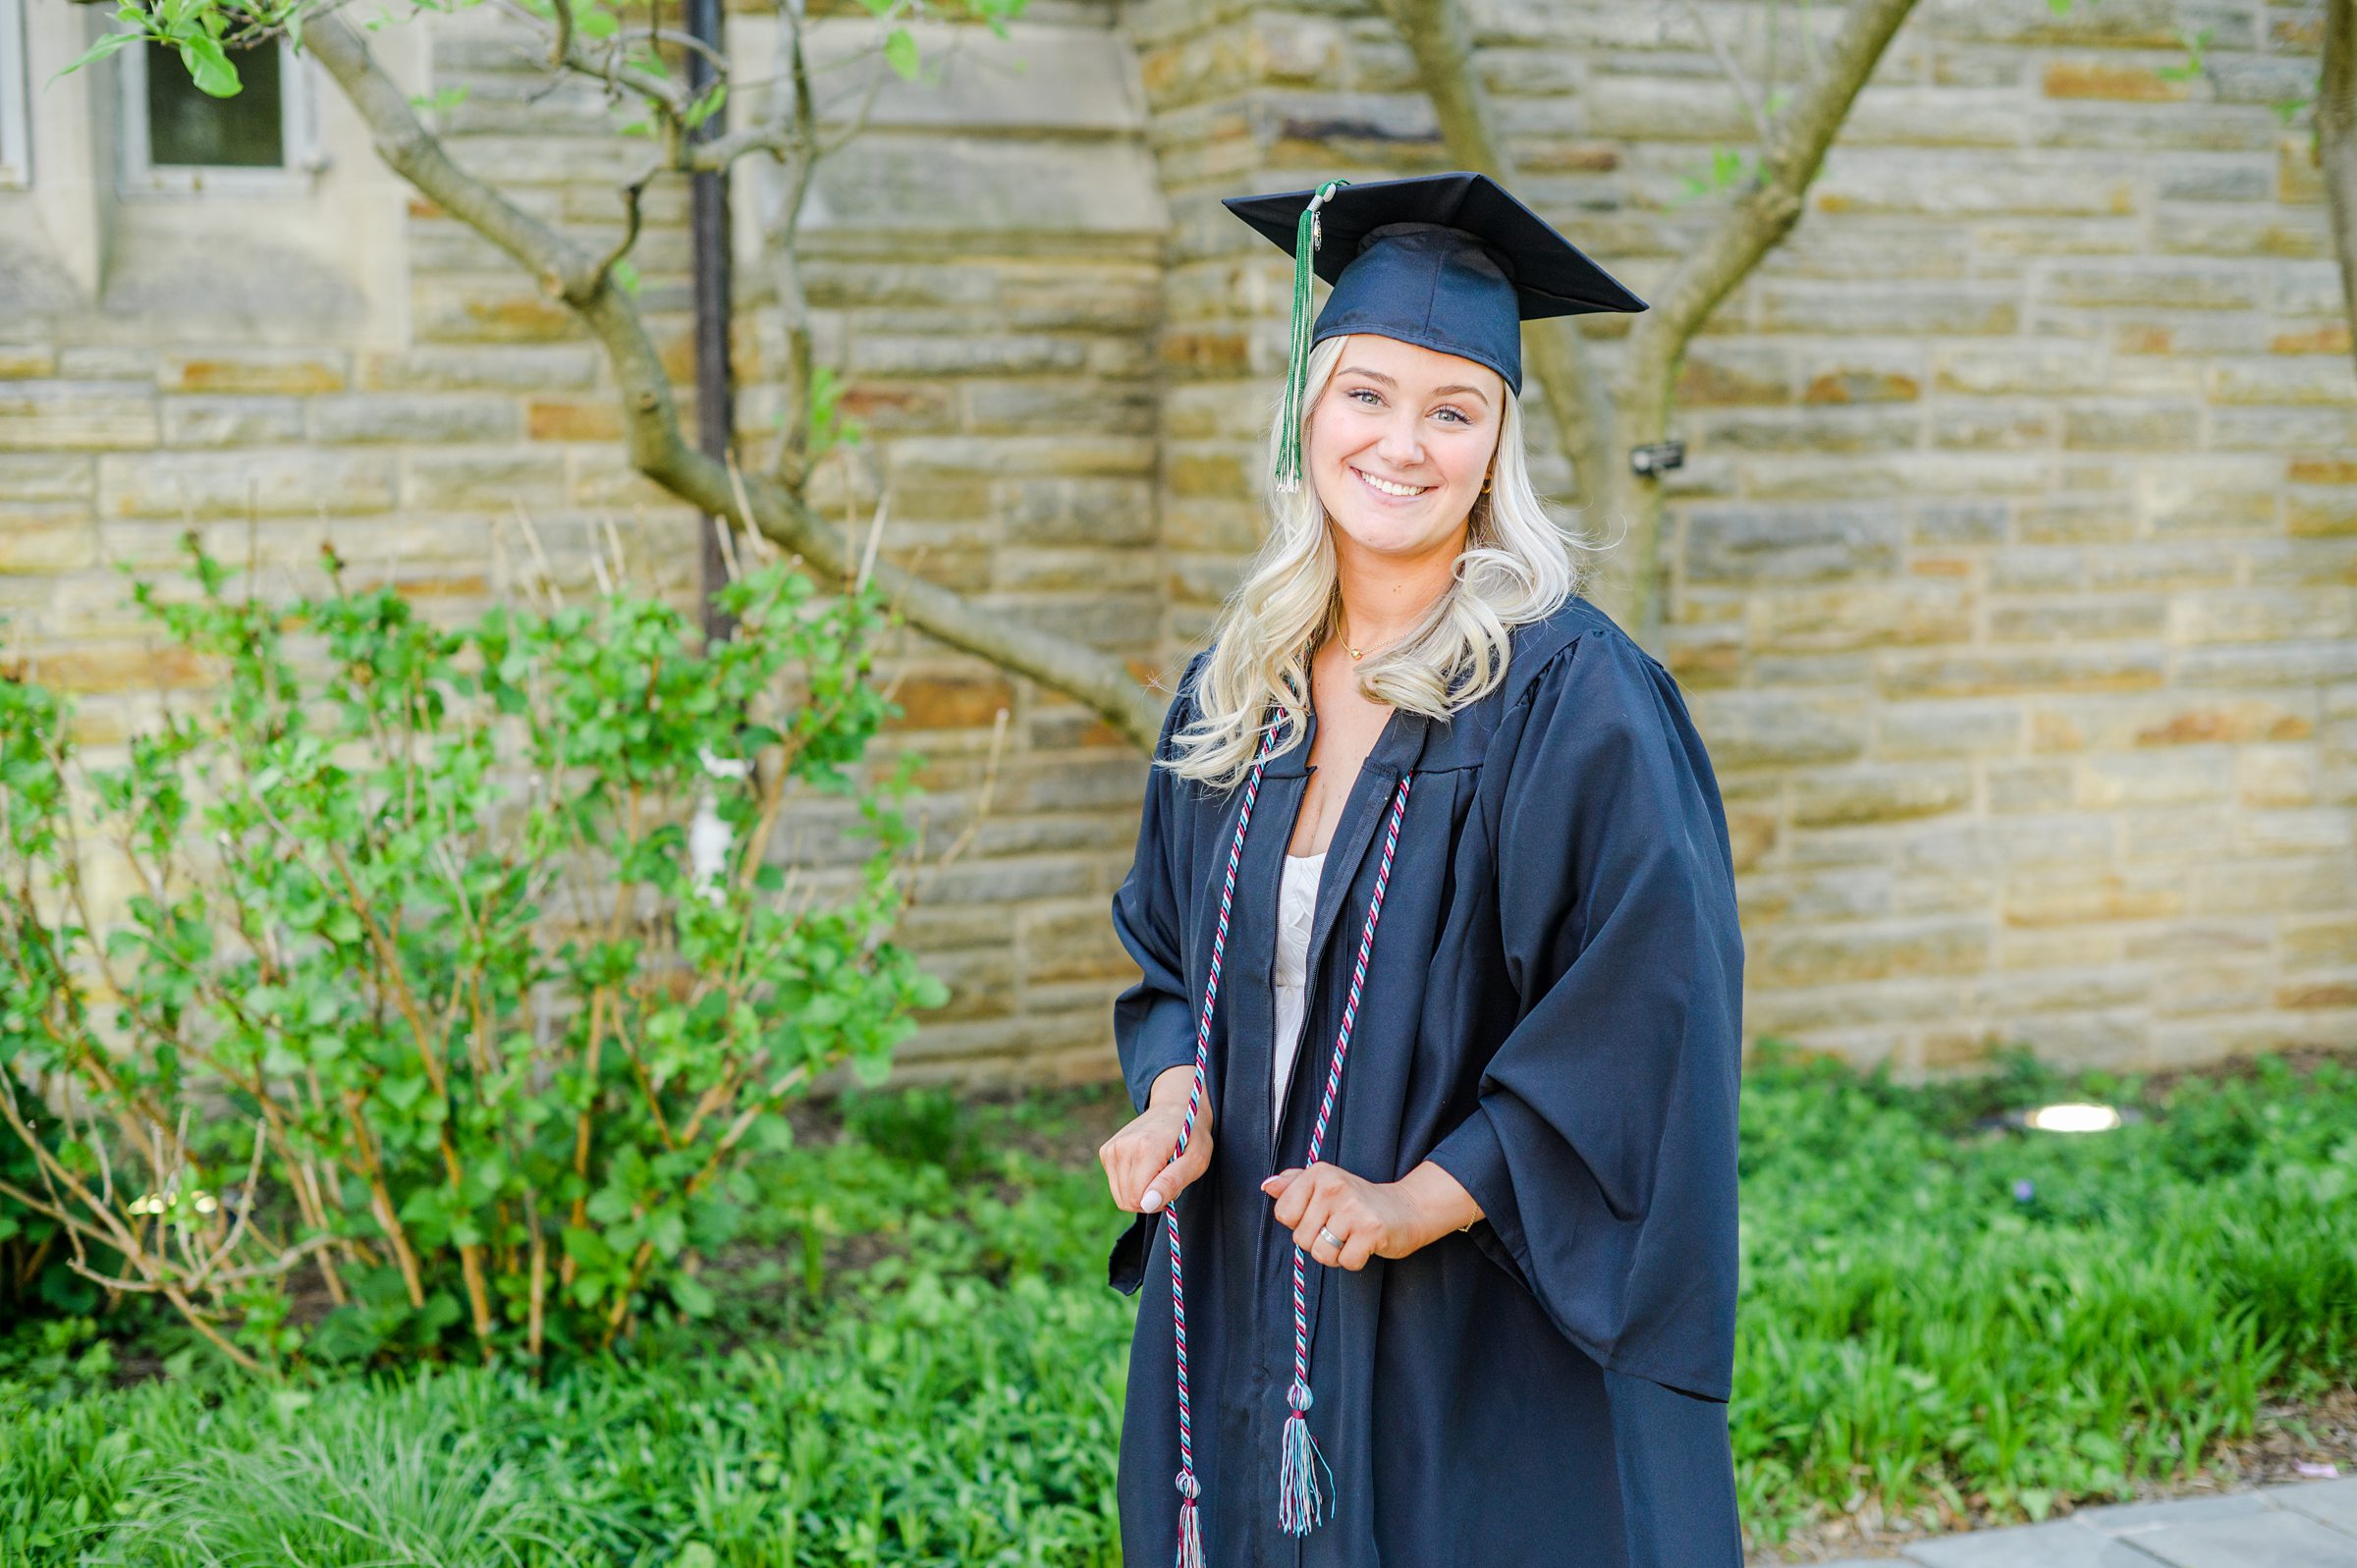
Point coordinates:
[(1296, 905)]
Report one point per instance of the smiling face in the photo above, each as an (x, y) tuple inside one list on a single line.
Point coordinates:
[(1399, 444)]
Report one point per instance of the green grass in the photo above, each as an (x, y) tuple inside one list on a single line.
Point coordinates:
[(915, 1359)]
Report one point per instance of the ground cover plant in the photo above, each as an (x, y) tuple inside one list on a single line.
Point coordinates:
[(912, 1357)]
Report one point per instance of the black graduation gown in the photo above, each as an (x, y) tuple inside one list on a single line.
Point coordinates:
[(1552, 1014)]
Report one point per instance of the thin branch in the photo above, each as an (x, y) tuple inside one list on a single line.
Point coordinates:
[(657, 449), (1744, 91), (2336, 139)]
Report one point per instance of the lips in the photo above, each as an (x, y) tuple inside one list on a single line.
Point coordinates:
[(1387, 487)]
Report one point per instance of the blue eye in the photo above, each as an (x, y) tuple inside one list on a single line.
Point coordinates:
[(1366, 393), (1455, 414)]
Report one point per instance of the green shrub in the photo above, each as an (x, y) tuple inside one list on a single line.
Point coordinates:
[(417, 993)]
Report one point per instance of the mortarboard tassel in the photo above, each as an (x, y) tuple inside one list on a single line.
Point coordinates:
[(1296, 364)]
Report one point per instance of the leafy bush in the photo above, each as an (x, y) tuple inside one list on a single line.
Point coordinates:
[(407, 971)]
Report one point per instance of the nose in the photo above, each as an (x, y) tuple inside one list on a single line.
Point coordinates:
[(1399, 444)]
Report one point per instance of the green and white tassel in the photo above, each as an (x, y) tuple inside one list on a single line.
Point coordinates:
[(1297, 368)]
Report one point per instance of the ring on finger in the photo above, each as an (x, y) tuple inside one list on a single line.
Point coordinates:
[(1329, 1238)]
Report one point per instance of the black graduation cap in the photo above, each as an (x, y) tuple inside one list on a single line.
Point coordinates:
[(1447, 262)]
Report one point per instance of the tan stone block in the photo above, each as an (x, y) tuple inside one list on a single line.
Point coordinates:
[(1908, 674), (2262, 615), (573, 419), (2175, 775), (2058, 947), (76, 416), (2149, 564), (2075, 520), (2109, 80), (2135, 426), (2168, 286), (44, 546), (2320, 943), (1830, 954), (2331, 337), (26, 362), (1752, 729), (2046, 899), (1716, 375), (2202, 512), (239, 421), (508, 367), (403, 416), (275, 482), (2320, 513), (2077, 619), (288, 372), (2282, 380), (2201, 940), (1953, 728), (484, 479), (2338, 994), (1877, 794), (2275, 885), (2031, 786), (1987, 428), (1068, 942), (119, 666), (2292, 826), (1875, 614), (47, 476)]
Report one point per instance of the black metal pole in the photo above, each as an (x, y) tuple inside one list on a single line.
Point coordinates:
[(715, 389)]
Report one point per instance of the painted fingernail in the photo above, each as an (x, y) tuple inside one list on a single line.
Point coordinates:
[(1151, 1204)]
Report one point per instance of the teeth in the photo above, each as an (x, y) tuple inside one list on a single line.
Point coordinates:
[(1388, 488)]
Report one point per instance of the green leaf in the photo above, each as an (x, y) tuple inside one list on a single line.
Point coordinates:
[(596, 23), (208, 67), (899, 53), (694, 1299), (626, 277), (107, 44)]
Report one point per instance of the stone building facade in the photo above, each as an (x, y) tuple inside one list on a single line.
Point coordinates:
[(2013, 569)]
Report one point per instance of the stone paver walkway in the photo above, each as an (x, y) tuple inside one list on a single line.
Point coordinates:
[(2306, 1525)]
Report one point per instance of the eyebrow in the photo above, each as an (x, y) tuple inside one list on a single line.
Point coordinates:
[(1438, 392)]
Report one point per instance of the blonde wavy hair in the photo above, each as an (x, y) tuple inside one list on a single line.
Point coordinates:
[(1517, 566)]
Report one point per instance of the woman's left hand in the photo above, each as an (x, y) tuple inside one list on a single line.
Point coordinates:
[(1370, 1219)]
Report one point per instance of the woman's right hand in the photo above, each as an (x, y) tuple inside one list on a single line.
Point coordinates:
[(1138, 1162)]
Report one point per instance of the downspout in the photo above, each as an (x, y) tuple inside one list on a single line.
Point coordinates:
[(708, 212), (710, 847)]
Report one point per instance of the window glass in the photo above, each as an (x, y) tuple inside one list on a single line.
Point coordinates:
[(186, 127), (15, 151)]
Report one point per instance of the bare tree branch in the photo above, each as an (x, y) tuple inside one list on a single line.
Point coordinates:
[(1752, 104), (1442, 41), (1602, 431), (1097, 679)]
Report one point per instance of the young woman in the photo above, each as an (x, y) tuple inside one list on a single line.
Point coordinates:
[(1435, 1044)]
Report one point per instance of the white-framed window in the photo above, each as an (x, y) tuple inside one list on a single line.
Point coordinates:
[(176, 138), (16, 131)]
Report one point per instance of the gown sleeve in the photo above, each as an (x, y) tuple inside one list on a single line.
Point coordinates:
[(1601, 1149), (1153, 1021)]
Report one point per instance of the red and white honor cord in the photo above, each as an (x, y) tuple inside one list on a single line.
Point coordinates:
[(1299, 1504), (1300, 1507), (1190, 1530)]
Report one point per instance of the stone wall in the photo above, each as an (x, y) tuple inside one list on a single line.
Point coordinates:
[(2013, 563), (2014, 558)]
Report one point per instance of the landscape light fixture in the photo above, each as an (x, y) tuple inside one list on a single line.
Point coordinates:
[(2071, 1117)]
